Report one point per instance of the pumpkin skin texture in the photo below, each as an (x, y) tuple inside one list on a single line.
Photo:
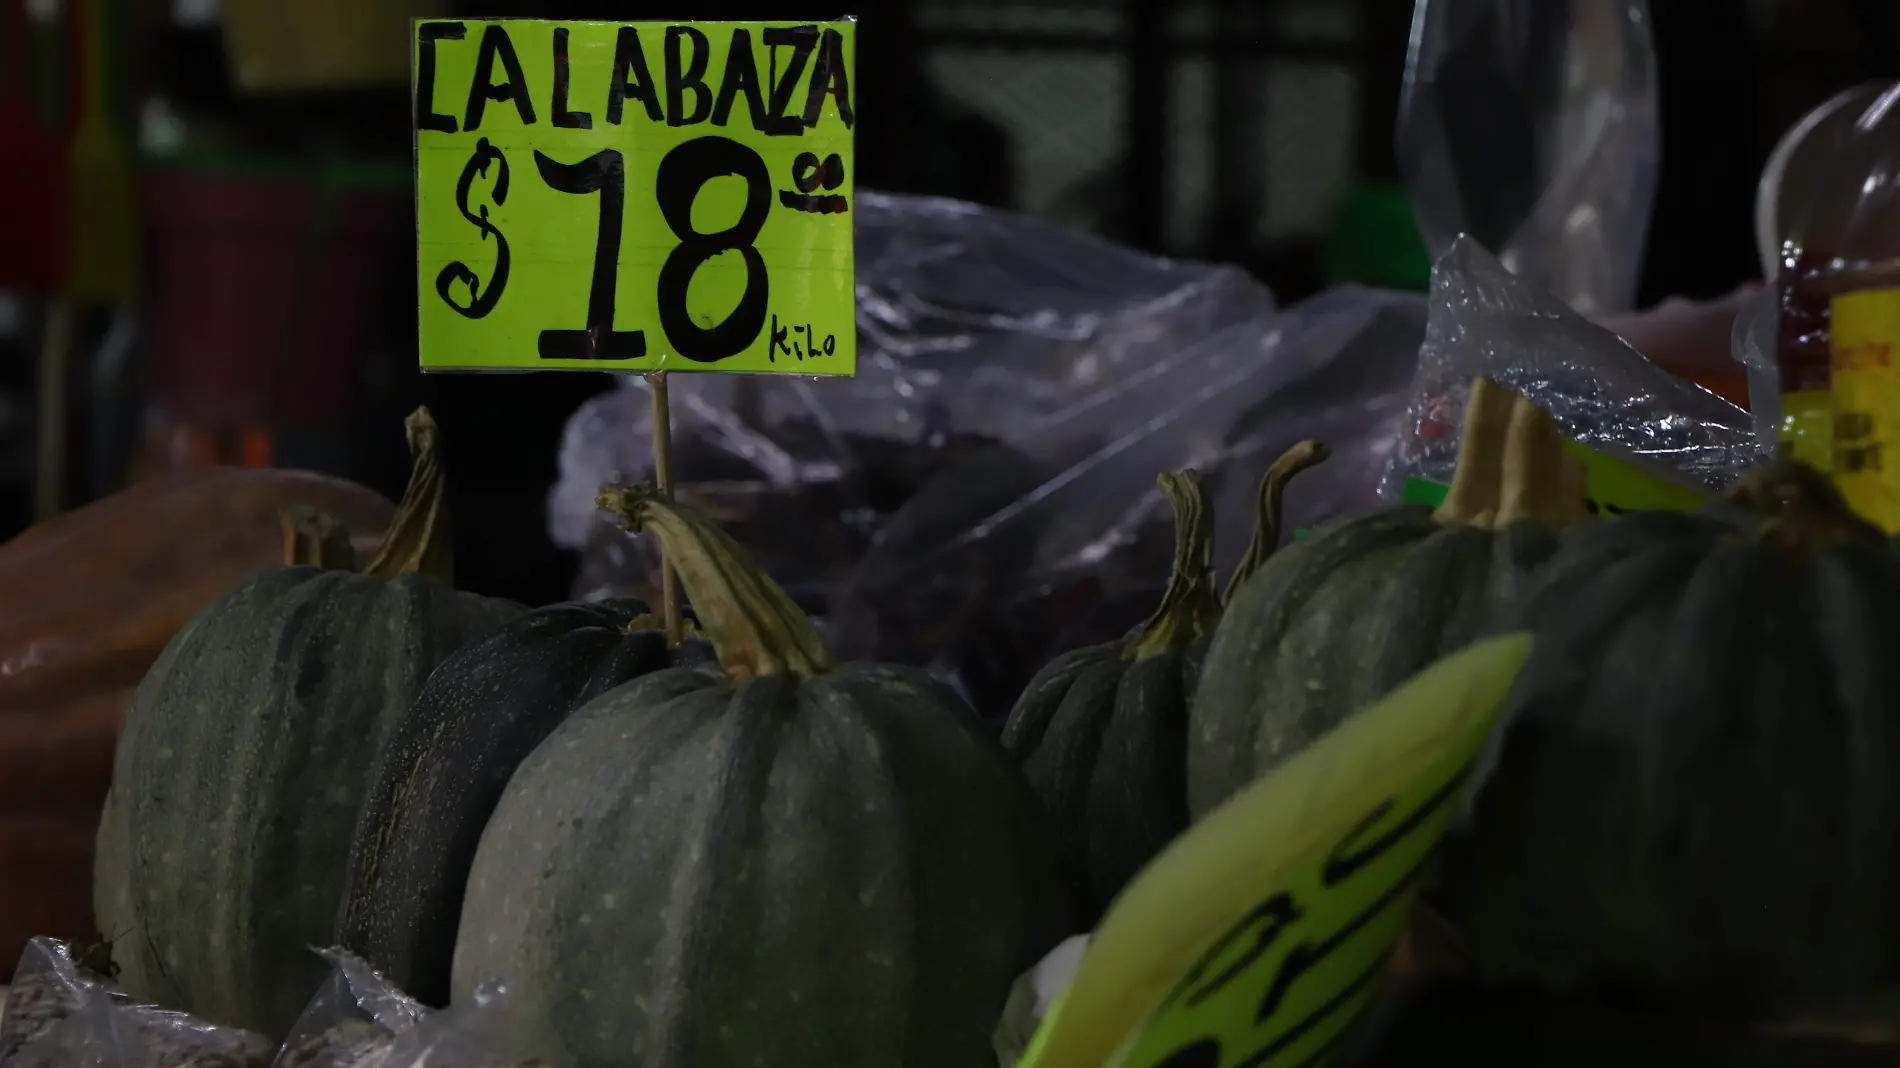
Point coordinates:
[(444, 768), (1693, 804), (90, 598), (244, 758), (775, 861), (1340, 617), (1101, 732)]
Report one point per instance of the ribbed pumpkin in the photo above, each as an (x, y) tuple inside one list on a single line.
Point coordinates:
[(1695, 801), (1102, 731), (1341, 616), (483, 711), (246, 752), (777, 861), (88, 599)]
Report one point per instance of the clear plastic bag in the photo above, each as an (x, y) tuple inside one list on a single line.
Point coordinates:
[(1533, 127), (1058, 539), (974, 327), (358, 1019), (982, 495), (1602, 393), (60, 1015)]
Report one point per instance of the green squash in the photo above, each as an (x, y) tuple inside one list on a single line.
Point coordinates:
[(1102, 731), (777, 861), (245, 754), (449, 759), (1694, 803), (1340, 617)]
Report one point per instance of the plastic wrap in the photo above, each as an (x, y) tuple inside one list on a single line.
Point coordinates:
[(974, 326), (1602, 393), (1752, 342), (982, 495), (1533, 127), (358, 1019), (61, 1015), (1057, 539)]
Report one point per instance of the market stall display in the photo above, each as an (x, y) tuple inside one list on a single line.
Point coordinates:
[(244, 758)]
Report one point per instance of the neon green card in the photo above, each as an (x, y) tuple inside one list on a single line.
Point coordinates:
[(621, 196)]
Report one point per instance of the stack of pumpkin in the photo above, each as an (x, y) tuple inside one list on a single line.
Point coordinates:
[(722, 847)]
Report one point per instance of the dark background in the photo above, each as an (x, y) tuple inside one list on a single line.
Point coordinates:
[(1217, 129)]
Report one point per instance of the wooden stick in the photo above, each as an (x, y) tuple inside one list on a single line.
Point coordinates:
[(663, 478)]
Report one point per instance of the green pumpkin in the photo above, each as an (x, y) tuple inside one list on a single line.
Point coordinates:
[(1694, 803), (446, 764), (1340, 617), (1102, 731), (245, 754), (776, 861)]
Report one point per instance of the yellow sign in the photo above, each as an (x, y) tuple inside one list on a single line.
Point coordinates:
[(1865, 327), (617, 196), (1613, 486), (1255, 940)]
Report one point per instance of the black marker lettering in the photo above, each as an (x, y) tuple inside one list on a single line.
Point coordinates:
[(684, 77), (630, 78), (1201, 1053), (778, 344), (801, 40), (1359, 984), (1350, 855), (828, 76), (1307, 955), (496, 45), (427, 118), (1268, 921), (480, 301), (604, 172), (805, 167), (683, 172), (742, 76), (562, 117)]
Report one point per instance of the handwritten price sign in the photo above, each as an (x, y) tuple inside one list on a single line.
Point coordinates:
[(634, 196), (1255, 939)]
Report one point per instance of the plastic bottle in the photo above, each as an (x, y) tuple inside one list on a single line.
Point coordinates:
[(1863, 286)]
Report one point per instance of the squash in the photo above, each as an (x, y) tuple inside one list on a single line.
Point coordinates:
[(1102, 731), (1694, 802), (245, 754), (779, 860), (87, 601), (443, 769), (1340, 617)]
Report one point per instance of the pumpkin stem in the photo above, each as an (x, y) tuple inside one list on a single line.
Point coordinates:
[(1541, 480), (313, 539), (755, 628), (418, 538), (1473, 496), (1268, 509), (1189, 608), (1802, 508)]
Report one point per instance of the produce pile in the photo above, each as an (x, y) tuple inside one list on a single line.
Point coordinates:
[(562, 834)]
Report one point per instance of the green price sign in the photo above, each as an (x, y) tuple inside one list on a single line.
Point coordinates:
[(634, 196), (1255, 940)]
